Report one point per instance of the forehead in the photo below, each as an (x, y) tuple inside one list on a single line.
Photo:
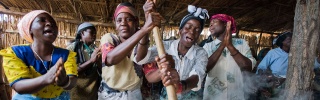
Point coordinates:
[(45, 15), (216, 21), (124, 14), (193, 22)]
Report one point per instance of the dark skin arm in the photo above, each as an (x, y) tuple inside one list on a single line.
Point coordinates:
[(95, 56), (33, 85), (213, 59), (243, 62), (153, 77), (164, 61), (125, 48), (143, 49)]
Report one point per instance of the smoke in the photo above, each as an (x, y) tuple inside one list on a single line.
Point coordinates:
[(253, 82)]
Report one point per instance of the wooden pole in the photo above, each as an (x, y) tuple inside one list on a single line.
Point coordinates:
[(160, 48), (161, 51)]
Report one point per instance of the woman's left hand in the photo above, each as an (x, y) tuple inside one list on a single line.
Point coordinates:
[(61, 76), (170, 76)]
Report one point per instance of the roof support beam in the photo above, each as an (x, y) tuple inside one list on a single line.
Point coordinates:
[(5, 11)]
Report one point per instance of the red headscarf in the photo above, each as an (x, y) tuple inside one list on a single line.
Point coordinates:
[(225, 18), (125, 7)]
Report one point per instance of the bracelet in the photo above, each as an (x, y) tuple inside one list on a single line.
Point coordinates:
[(180, 88), (234, 54), (67, 85), (184, 84)]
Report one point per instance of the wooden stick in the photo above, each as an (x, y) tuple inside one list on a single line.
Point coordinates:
[(160, 48)]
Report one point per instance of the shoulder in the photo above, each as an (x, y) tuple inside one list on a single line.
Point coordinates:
[(64, 53), (20, 50), (239, 41), (71, 46), (109, 38), (199, 50)]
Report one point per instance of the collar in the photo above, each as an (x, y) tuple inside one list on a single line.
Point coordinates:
[(173, 50), (216, 41)]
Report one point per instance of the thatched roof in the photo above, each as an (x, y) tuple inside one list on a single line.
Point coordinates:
[(257, 15)]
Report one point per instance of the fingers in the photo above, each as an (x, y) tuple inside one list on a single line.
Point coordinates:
[(148, 6), (165, 61), (228, 27), (169, 77), (59, 62)]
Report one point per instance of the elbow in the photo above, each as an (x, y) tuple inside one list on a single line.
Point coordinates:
[(152, 79), (111, 60), (21, 91), (73, 82)]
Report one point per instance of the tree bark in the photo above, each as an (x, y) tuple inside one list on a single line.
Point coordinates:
[(302, 52)]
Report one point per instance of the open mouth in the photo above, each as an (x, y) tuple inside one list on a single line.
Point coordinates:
[(49, 32), (189, 39)]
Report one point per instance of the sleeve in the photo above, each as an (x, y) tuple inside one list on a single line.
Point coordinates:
[(15, 69), (70, 65), (71, 46), (206, 48), (266, 61), (107, 45), (150, 67), (247, 53), (199, 68), (152, 53)]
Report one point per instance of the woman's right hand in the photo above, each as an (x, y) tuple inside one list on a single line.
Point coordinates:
[(153, 19), (148, 6), (50, 76), (95, 55)]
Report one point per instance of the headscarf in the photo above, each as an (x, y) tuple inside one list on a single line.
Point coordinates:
[(195, 13), (225, 18), (24, 24), (125, 7), (82, 27), (280, 38)]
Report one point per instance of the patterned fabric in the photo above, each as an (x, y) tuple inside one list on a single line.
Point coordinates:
[(107, 93), (224, 81), (20, 63), (277, 60), (191, 95), (196, 13), (127, 8), (63, 96), (225, 18), (150, 67), (88, 81), (25, 24), (126, 75), (193, 63)]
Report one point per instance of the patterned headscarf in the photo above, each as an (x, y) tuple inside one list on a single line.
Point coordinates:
[(195, 13), (25, 24), (125, 7), (225, 18)]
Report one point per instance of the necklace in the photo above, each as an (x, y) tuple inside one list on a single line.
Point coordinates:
[(42, 60)]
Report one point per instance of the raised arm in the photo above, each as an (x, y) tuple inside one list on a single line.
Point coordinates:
[(122, 50)]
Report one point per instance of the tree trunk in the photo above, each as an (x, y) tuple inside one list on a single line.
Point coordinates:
[(302, 52)]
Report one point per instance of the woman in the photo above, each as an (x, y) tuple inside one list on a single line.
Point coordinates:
[(189, 59), (89, 62), (121, 77), (274, 66), (39, 70)]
